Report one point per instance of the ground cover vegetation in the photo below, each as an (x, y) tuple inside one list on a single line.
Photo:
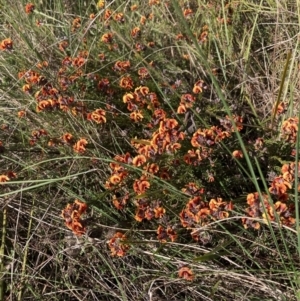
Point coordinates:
[(149, 150)]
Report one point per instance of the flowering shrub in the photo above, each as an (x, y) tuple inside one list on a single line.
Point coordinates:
[(158, 129)]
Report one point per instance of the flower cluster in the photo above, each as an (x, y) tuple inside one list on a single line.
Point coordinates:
[(76, 24), (164, 234), (289, 129), (137, 100), (97, 116), (117, 245), (230, 124), (148, 210), (266, 210), (119, 171), (203, 138), (198, 211), (164, 140), (121, 201), (50, 97), (194, 157), (72, 216), (167, 137), (288, 172)]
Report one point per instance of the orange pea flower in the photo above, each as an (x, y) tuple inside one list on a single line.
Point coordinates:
[(107, 14), (139, 47), (63, 45), (187, 12), (121, 66), (107, 38), (6, 44), (143, 74), (136, 116), (98, 116), (159, 212), (128, 97), (29, 7), (67, 138), (21, 114), (152, 168), (139, 160), (4, 178), (203, 36), (76, 24), (161, 234), (126, 82), (120, 203), (198, 87), (172, 235), (135, 32), (143, 20), (181, 109), (237, 154), (119, 17), (141, 185), (42, 64), (44, 104), (79, 146), (27, 88), (186, 273), (115, 179)]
